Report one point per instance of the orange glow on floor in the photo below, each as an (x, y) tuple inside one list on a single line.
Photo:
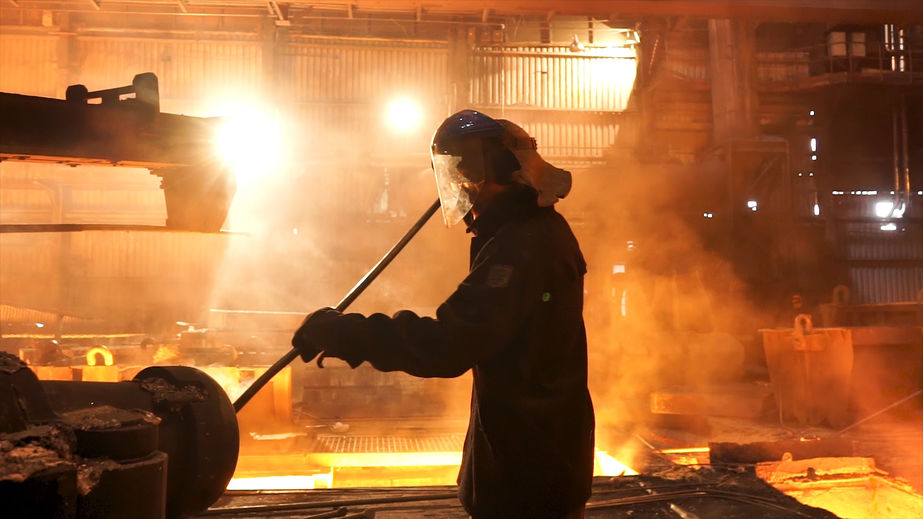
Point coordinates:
[(338, 470)]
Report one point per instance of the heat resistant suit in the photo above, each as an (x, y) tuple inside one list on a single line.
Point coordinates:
[(516, 321)]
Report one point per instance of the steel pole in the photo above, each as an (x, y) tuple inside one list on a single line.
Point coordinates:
[(341, 306)]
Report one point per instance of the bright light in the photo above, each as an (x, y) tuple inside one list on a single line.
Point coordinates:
[(889, 227), (281, 482), (403, 115), (811, 113), (606, 465), (248, 142), (618, 269), (751, 204), (708, 215), (883, 209), (816, 209), (813, 144), (39, 325), (813, 157)]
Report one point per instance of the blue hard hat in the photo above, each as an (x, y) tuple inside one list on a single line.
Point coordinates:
[(463, 124)]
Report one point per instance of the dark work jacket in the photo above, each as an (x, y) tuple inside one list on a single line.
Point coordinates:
[(517, 322)]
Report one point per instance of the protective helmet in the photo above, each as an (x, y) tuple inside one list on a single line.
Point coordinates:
[(457, 152), (552, 183), (470, 148)]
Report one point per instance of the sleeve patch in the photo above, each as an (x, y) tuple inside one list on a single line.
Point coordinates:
[(499, 276)]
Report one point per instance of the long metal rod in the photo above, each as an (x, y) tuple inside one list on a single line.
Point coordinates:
[(341, 306), (696, 494), (880, 411)]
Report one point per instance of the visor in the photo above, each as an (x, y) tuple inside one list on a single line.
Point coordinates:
[(459, 175)]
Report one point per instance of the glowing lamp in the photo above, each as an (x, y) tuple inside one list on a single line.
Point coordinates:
[(248, 142), (403, 115)]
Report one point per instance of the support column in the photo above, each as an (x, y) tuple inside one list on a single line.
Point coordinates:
[(732, 65), (69, 58), (459, 84)]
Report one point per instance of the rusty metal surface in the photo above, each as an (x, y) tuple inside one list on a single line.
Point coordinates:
[(810, 374)]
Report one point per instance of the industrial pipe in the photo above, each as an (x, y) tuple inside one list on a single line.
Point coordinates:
[(341, 306)]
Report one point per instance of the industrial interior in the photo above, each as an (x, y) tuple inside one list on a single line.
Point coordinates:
[(182, 181)]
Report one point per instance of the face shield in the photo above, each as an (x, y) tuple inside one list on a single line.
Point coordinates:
[(459, 170)]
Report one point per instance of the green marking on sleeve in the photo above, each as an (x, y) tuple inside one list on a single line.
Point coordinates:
[(546, 297)]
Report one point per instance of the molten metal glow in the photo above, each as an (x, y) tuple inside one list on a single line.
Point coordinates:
[(383, 468), (606, 465), (282, 482), (101, 351)]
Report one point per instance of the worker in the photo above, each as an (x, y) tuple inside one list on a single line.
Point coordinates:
[(516, 321)]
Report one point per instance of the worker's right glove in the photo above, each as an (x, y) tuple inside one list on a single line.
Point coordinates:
[(318, 333)]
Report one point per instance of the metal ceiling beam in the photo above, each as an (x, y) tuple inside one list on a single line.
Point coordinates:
[(276, 10), (872, 11), (830, 11)]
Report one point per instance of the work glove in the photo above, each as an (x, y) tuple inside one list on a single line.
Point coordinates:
[(318, 333)]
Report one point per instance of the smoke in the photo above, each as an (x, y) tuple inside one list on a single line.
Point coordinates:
[(666, 305)]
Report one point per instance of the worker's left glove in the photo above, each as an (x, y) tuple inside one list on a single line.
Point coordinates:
[(318, 333)]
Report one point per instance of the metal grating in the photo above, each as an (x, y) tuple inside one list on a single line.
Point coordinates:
[(350, 444)]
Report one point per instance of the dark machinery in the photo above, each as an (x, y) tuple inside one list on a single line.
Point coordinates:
[(129, 132), (164, 444)]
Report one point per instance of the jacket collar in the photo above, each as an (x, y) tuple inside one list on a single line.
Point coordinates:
[(512, 205)]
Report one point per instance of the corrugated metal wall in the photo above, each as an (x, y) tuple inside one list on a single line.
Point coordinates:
[(551, 78), (348, 70), (127, 278), (551, 91), (882, 265), (885, 284), (340, 89), (569, 140), (29, 64), (187, 69)]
